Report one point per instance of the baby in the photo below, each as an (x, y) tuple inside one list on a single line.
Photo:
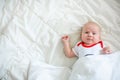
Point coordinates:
[(90, 44)]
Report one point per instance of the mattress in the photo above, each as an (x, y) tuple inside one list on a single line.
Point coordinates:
[(31, 31)]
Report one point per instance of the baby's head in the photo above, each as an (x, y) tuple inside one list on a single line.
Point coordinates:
[(91, 33)]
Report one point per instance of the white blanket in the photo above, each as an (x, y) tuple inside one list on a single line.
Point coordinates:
[(43, 71), (31, 30), (98, 67)]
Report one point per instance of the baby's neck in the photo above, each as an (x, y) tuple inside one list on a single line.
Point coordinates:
[(86, 44)]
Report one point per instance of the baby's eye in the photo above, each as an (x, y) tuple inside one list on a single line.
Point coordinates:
[(86, 32), (94, 33)]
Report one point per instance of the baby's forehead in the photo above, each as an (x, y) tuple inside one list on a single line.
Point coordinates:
[(92, 26)]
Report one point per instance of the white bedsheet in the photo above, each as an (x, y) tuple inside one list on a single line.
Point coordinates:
[(31, 30)]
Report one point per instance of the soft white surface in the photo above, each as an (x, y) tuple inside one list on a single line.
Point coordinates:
[(31, 30), (97, 67)]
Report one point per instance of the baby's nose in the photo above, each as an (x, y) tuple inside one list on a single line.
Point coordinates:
[(90, 34)]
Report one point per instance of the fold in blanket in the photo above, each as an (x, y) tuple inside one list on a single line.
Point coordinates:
[(96, 67), (30, 37)]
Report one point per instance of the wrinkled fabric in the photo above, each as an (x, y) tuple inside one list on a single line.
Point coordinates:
[(31, 31), (96, 67)]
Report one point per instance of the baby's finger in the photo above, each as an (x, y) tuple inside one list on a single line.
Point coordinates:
[(64, 37)]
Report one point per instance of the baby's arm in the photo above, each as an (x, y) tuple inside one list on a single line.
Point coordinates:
[(67, 47), (107, 50)]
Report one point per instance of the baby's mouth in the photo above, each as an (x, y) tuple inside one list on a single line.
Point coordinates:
[(89, 39)]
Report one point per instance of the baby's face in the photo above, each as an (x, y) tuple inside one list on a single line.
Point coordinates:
[(90, 34)]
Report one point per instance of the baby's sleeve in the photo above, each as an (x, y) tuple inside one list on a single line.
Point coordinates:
[(76, 50)]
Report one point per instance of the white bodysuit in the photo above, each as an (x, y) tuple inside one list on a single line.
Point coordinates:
[(81, 49), (98, 67)]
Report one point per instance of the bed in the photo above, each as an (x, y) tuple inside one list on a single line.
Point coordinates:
[(31, 31)]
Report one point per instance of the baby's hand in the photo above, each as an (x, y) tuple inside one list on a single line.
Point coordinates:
[(106, 50), (65, 39)]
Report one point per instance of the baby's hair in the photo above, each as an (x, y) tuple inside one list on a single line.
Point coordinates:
[(92, 23)]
